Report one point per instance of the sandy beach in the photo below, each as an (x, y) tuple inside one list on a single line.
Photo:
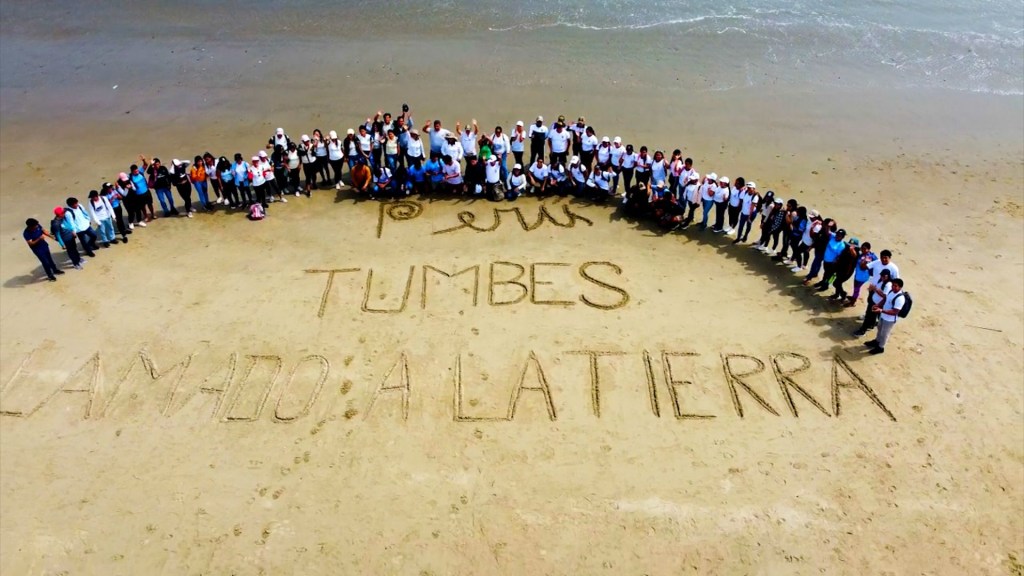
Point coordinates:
[(343, 389)]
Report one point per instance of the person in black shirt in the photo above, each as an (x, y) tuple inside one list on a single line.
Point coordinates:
[(159, 179), (179, 177), (475, 175)]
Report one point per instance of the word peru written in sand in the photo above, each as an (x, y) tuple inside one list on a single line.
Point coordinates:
[(594, 284), (403, 210), (236, 387)]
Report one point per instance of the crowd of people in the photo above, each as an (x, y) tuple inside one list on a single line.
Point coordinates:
[(389, 157)]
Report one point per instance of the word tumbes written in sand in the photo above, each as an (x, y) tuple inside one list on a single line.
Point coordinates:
[(545, 385), (403, 210), (592, 284)]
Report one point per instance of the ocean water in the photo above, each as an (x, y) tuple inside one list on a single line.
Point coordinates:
[(963, 45)]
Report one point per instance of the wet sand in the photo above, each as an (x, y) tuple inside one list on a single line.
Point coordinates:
[(287, 445)]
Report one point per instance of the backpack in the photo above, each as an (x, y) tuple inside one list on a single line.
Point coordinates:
[(908, 302)]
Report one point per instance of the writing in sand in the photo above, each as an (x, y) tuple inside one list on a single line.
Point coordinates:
[(527, 385)]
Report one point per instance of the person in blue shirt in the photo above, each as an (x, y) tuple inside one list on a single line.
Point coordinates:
[(36, 237), (861, 273), (416, 177), (63, 231), (143, 196), (433, 171), (835, 246)]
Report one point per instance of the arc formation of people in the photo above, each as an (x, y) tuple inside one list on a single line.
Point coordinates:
[(388, 157)]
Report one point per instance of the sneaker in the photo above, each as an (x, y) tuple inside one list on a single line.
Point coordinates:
[(877, 350), (189, 215), (871, 343), (296, 193), (51, 278), (77, 267), (114, 241), (860, 318), (142, 224), (131, 226), (58, 272), (283, 199), (796, 269), (859, 334), (191, 210)]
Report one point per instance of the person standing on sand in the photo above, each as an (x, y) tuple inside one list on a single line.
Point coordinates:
[(159, 179), (722, 193), (35, 237), (659, 168), (615, 153), (307, 156), (468, 137), (876, 290), (517, 143), (808, 225), (560, 140), (416, 176), (643, 169), (200, 181), (845, 265), (451, 147), (538, 135), (735, 203), (278, 139), (500, 146), (292, 162), (767, 207), (414, 148), (179, 177), (437, 134), (579, 175), (213, 177), (627, 167), (391, 150), (132, 201), (707, 198), (81, 223), (319, 144), (888, 313), (227, 178), (243, 178), (115, 198), (749, 200), (691, 194), (588, 146), (862, 273), (259, 181), (336, 155), (604, 152), (435, 178), (452, 172), (143, 196), (63, 230), (102, 212), (835, 246)]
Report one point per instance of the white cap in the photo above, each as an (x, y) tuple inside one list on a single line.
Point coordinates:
[(751, 184), (694, 176), (723, 179), (540, 118), (517, 167), (414, 132), (560, 168), (350, 132), (617, 140), (713, 176), (263, 154), (605, 139), (813, 214), (780, 201), (333, 135), (255, 158), (280, 131), (519, 123), (574, 159), (176, 162), (660, 184)]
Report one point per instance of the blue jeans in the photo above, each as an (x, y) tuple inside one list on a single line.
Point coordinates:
[(106, 230), (42, 251), (392, 161), (741, 233), (166, 200), (707, 212), (201, 188), (504, 166), (819, 257)]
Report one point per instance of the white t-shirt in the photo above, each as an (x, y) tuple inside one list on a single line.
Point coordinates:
[(516, 183), (893, 300), (588, 143), (321, 149), (749, 200), (517, 141), (658, 171), (603, 180), (629, 160), (499, 144), (268, 170), (560, 141), (604, 154), (365, 142), (876, 268), (334, 149), (541, 172), (643, 164), (737, 197), (452, 172), (468, 142), (721, 193), (281, 140), (293, 159), (534, 129), (454, 150), (707, 191), (885, 288), (414, 148), (256, 175), (492, 170), (692, 193), (616, 152), (577, 173), (438, 138), (813, 227)]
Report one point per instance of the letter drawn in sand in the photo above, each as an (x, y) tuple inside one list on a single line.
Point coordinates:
[(734, 380), (327, 289), (91, 370), (178, 399), (523, 289), (595, 375), (786, 381), (10, 383), (405, 296), (672, 383), (652, 386), (534, 282), (429, 268), (404, 386), (623, 295), (151, 369), (325, 368), (261, 399), (541, 386), (399, 211), (457, 404), (838, 364)]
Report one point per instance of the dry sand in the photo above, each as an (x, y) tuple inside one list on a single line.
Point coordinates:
[(234, 419)]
